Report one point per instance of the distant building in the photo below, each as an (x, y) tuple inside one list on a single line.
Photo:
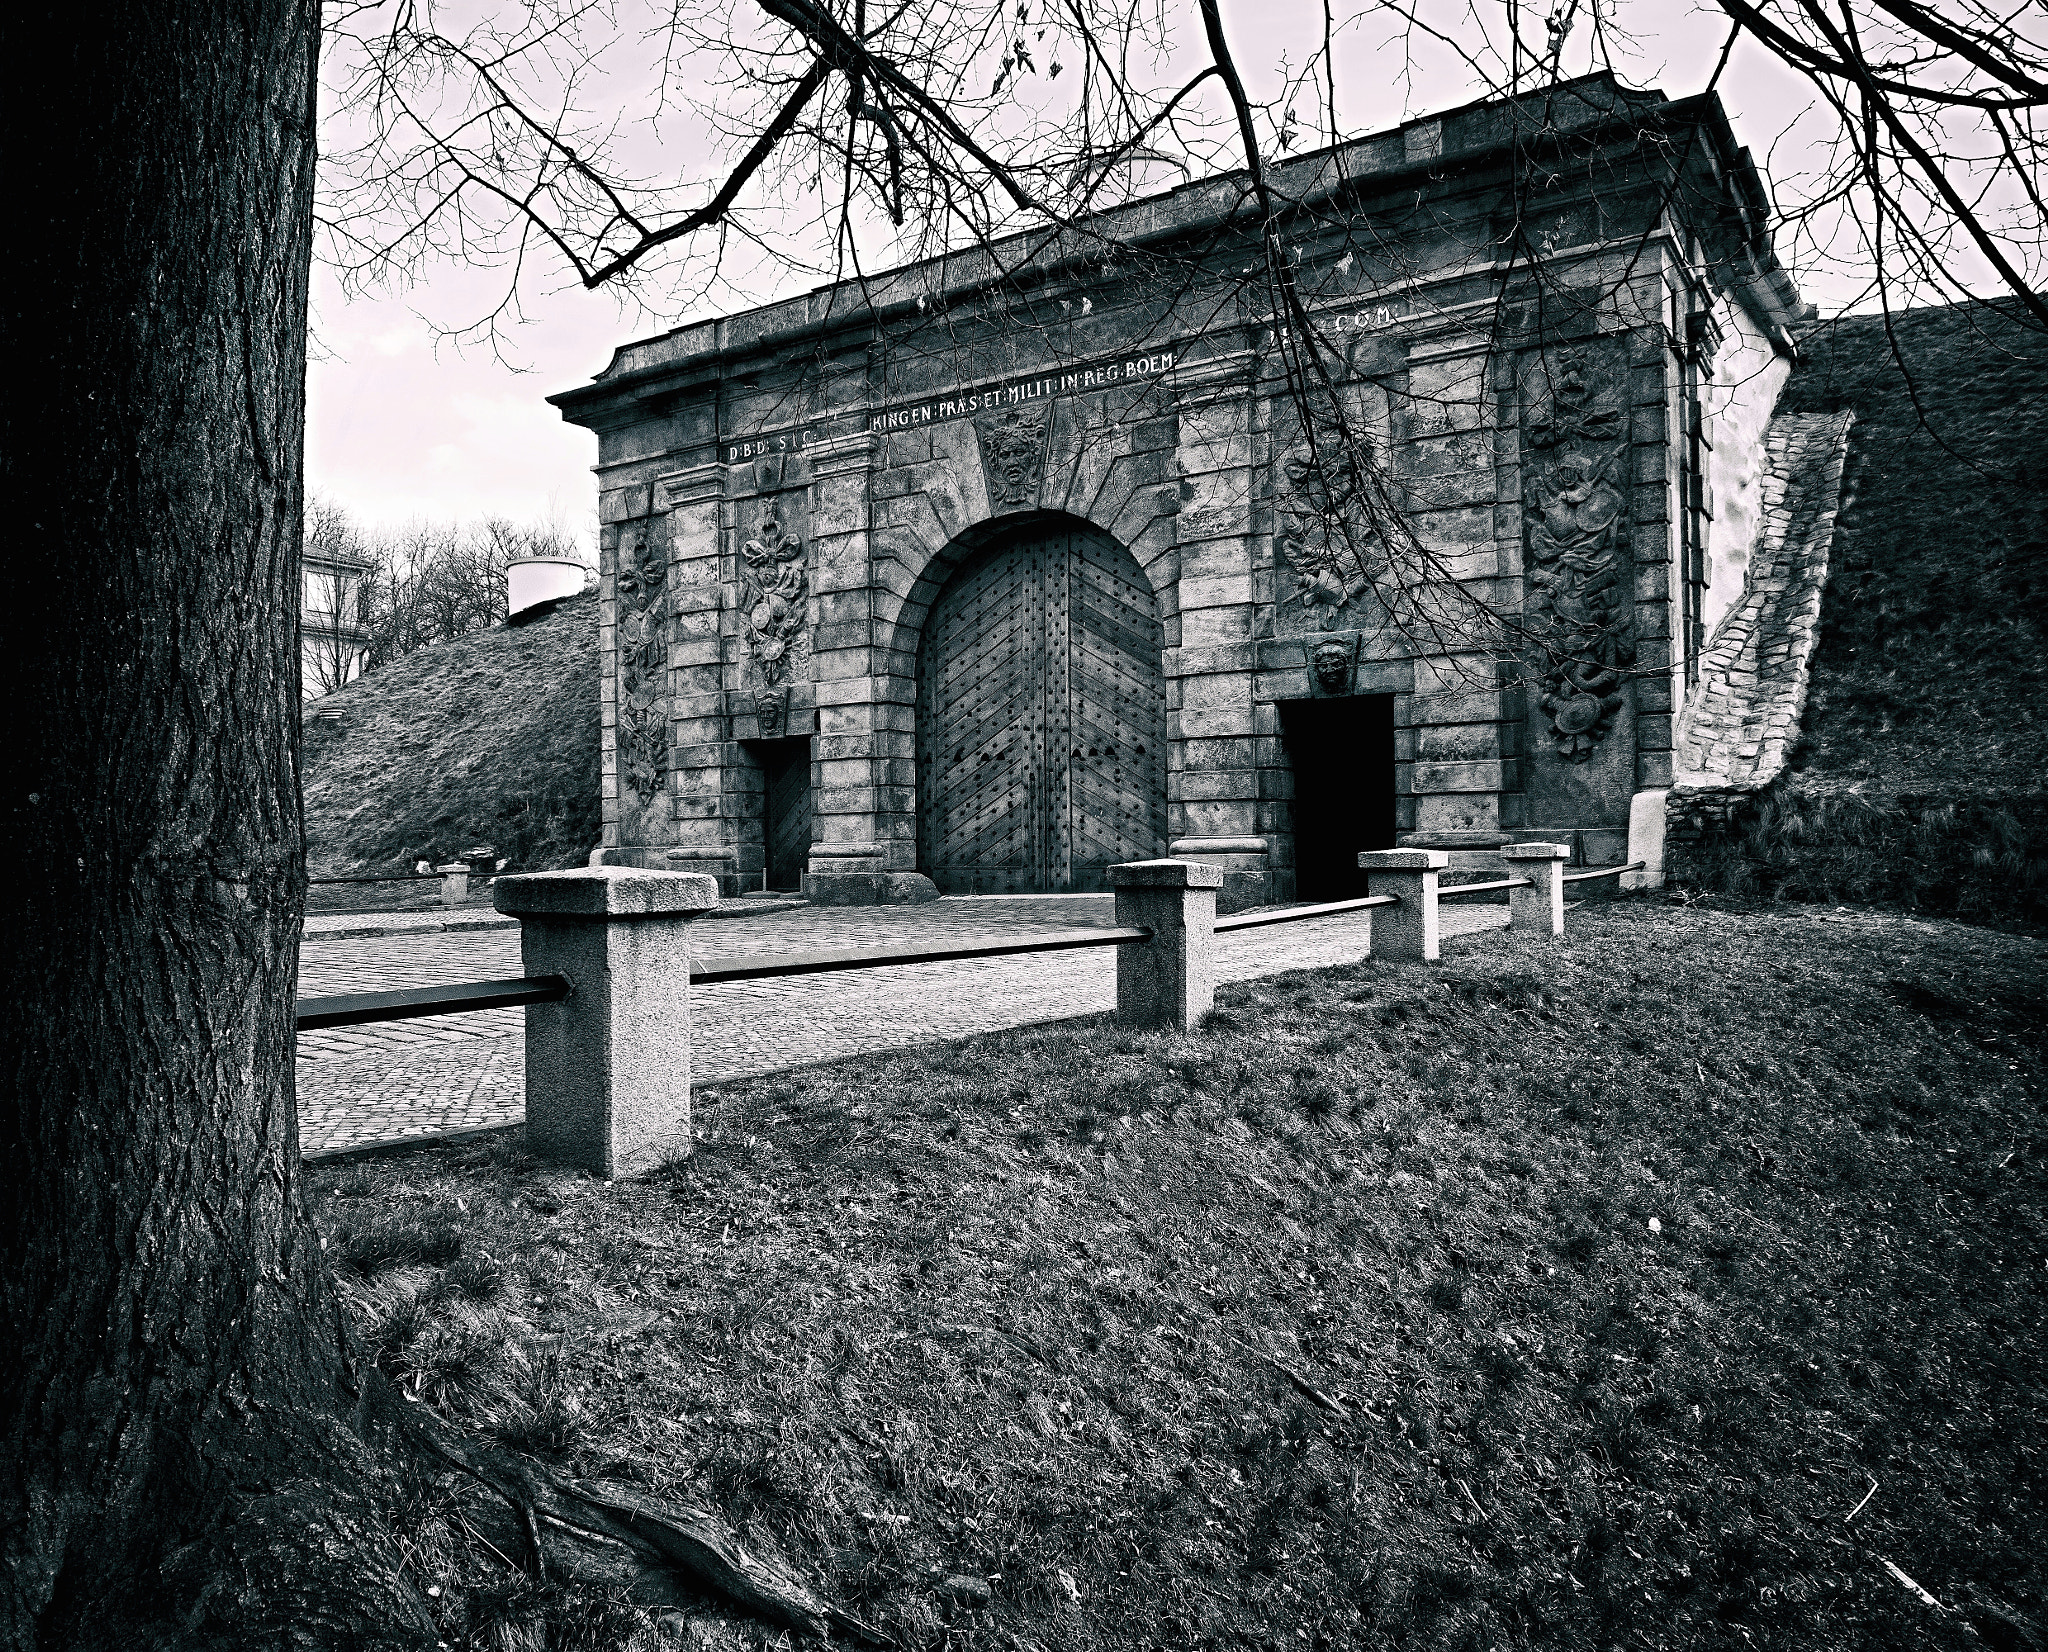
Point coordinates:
[(333, 637)]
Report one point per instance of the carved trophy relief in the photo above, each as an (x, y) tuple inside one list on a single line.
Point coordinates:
[(1321, 534), (1580, 589), (773, 592), (1013, 455), (643, 640), (1337, 524)]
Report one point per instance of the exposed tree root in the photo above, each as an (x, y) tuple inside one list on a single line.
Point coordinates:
[(695, 1544)]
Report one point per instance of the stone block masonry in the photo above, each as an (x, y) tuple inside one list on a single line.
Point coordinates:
[(1169, 981), (1744, 714), (608, 1068), (1027, 575)]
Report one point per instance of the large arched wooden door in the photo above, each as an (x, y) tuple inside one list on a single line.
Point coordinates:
[(1041, 719)]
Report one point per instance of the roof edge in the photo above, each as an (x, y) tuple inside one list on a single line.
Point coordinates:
[(982, 267)]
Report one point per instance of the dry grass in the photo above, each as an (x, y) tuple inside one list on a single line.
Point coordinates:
[(1010, 1342), (487, 738), (1917, 780), (1931, 670), (1984, 860)]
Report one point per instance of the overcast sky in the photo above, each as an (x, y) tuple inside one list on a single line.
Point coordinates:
[(402, 424)]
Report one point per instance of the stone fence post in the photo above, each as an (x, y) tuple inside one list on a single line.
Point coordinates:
[(608, 1068), (1539, 909), (1169, 981), (454, 882), (1407, 932)]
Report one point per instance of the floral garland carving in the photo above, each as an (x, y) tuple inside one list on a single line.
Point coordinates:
[(643, 609), (772, 587), (1578, 560)]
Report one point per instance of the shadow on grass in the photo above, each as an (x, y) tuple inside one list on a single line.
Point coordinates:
[(1561, 1295)]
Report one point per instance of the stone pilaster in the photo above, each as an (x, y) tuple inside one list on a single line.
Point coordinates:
[(684, 533), (1216, 776), (863, 826)]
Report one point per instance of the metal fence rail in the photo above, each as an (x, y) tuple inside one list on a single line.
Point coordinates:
[(763, 966), (1445, 893), (1295, 914), (366, 1008), (607, 1073), (1602, 872), (357, 1009)]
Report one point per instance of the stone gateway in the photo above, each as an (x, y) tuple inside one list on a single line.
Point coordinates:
[(1008, 567), (1041, 715)]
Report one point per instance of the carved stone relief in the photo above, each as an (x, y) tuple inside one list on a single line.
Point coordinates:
[(1579, 567), (1013, 456), (643, 631), (1320, 533), (771, 713), (773, 586)]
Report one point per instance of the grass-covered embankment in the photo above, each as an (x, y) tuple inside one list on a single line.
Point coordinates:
[(1918, 778), (1563, 1295), (1984, 860), (486, 738), (1931, 666)]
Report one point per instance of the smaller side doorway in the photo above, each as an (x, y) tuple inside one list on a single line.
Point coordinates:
[(786, 816), (1342, 754)]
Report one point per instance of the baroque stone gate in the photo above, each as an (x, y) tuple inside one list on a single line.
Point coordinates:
[(1004, 567)]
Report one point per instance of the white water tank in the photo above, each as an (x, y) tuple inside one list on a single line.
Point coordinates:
[(537, 579)]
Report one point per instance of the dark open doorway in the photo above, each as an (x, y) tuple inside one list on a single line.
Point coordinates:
[(786, 819), (1342, 752)]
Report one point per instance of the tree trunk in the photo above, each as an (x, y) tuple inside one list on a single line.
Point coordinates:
[(181, 1464)]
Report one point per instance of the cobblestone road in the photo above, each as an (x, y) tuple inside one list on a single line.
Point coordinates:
[(458, 1072)]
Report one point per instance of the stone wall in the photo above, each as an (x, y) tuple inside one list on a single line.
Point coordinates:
[(785, 493), (1744, 716), (1749, 375)]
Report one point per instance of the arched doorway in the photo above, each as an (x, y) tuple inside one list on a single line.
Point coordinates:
[(1041, 717)]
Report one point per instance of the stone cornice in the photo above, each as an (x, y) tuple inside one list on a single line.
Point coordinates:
[(695, 486), (1474, 139)]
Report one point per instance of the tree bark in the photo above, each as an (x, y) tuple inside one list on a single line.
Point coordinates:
[(180, 1464)]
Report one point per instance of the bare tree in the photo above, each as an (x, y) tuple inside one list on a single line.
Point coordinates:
[(337, 593), (432, 581), (183, 1406), (1937, 124), (179, 1399), (899, 130), (1940, 111)]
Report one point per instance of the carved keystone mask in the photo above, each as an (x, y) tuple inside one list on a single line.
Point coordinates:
[(1331, 662), (1013, 455)]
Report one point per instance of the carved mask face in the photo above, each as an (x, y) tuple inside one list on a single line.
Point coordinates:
[(1332, 663)]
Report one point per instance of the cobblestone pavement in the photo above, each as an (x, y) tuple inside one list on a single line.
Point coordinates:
[(459, 1072)]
